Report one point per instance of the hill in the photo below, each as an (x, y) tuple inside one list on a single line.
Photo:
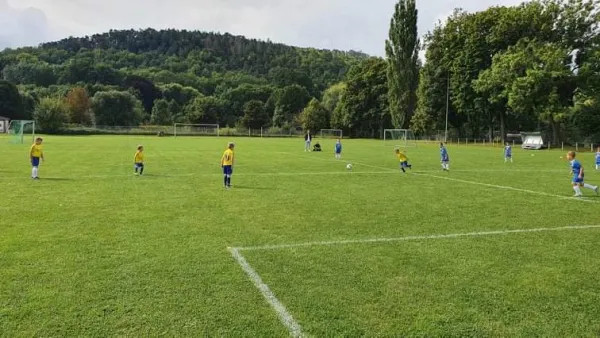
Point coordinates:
[(178, 66)]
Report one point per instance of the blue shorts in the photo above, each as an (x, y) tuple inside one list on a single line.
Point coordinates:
[(404, 164), (227, 170), (508, 155), (35, 161), (139, 165), (577, 180)]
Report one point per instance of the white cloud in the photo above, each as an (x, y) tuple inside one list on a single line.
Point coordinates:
[(340, 24)]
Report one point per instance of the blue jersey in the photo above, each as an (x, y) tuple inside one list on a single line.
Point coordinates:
[(576, 168), (598, 158), (444, 154), (508, 151), (338, 148)]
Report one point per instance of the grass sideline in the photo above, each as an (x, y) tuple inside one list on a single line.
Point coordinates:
[(91, 250)]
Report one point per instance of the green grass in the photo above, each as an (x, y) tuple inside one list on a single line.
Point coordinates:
[(91, 250)]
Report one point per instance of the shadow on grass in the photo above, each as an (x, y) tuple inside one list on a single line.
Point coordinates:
[(243, 187), (57, 179)]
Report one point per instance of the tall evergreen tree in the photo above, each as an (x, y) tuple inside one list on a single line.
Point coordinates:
[(402, 51)]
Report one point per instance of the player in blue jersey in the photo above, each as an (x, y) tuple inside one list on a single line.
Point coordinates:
[(578, 176), (598, 159), (338, 149), (508, 153), (445, 159)]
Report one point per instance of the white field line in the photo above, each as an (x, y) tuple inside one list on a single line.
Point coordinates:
[(216, 175), (284, 316), (509, 188), (414, 238), (288, 320)]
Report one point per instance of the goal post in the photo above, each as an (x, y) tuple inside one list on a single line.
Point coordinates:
[(399, 138), (189, 129), (332, 133), (18, 129)]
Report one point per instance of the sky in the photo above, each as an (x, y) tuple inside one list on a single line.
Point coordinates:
[(360, 25)]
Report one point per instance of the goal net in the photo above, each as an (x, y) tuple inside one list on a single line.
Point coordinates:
[(18, 130), (183, 129), (331, 133), (399, 138)]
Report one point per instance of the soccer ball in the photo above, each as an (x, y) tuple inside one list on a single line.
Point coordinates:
[(349, 166)]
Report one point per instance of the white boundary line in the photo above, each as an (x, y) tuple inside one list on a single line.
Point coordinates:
[(345, 172), (508, 188), (284, 315)]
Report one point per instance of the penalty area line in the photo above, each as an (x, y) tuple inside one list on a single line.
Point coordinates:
[(504, 187), (284, 316), (415, 238)]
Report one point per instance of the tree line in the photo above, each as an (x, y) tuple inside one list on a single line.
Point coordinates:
[(532, 67)]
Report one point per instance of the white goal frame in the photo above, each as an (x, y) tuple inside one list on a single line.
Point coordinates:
[(406, 139), (18, 136), (213, 126), (532, 140), (341, 133)]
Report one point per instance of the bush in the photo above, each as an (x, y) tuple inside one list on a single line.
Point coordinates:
[(50, 115)]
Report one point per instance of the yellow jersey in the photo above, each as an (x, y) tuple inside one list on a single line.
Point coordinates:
[(227, 157), (36, 150), (402, 157), (139, 157)]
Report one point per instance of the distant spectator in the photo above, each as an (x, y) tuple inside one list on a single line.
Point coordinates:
[(307, 140)]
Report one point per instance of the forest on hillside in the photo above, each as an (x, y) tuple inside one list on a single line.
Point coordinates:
[(531, 67), (161, 77)]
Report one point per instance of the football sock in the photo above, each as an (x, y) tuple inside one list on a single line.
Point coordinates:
[(141, 170), (577, 190), (589, 186), (404, 171), (34, 172), (228, 180), (225, 180)]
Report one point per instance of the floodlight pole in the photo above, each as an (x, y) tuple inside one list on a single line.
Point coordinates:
[(447, 108)]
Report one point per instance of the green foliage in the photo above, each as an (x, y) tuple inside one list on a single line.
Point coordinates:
[(332, 96), (315, 116), (38, 73), (50, 115), (11, 102), (402, 51), (288, 103), (255, 115), (206, 109), (115, 108), (364, 109), (161, 115), (178, 93)]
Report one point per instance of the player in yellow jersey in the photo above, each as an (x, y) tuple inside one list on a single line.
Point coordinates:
[(227, 165), (403, 160), (36, 154), (138, 160)]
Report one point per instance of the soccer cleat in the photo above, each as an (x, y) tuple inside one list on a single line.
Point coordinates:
[(597, 190)]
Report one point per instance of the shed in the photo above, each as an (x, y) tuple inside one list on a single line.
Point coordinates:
[(4, 121)]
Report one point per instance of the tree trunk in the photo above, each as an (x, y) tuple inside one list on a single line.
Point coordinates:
[(502, 127), (555, 131)]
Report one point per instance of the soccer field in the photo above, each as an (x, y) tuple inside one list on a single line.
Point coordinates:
[(299, 246)]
